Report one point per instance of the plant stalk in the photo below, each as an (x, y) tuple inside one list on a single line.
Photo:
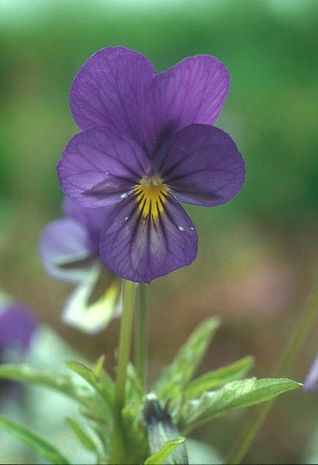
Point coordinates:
[(119, 449), (141, 343)]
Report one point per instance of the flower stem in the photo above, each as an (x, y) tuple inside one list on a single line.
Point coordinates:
[(141, 349), (294, 347), (129, 291), (119, 452)]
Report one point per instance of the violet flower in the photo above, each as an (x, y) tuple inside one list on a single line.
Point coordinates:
[(147, 143), (17, 328), (311, 381), (69, 249)]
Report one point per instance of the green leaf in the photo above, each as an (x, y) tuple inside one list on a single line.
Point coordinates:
[(233, 396), (99, 380), (160, 456), (219, 377), (187, 360), (82, 435), (59, 382), (33, 440)]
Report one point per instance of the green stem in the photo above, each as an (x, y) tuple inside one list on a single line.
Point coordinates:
[(294, 347), (142, 333), (129, 291), (119, 452)]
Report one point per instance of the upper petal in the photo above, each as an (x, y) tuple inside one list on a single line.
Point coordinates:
[(100, 165), (192, 91), (141, 249), (107, 85), (202, 165), (66, 250)]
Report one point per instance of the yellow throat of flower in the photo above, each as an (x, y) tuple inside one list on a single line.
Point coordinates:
[(151, 194)]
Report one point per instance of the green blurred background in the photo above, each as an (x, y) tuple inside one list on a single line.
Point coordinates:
[(258, 254)]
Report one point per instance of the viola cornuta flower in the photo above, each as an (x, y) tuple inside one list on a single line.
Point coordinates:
[(70, 251), (147, 143)]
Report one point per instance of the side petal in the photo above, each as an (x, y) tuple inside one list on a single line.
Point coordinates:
[(202, 166), (191, 92), (66, 250), (141, 249), (99, 166), (89, 313), (93, 219), (107, 85)]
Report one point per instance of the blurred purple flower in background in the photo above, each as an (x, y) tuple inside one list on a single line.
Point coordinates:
[(17, 328), (70, 252), (147, 143), (311, 381)]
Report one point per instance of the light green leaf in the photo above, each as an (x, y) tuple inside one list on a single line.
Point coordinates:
[(82, 435), (160, 456), (33, 440), (187, 360), (219, 377), (100, 381), (233, 396), (45, 378)]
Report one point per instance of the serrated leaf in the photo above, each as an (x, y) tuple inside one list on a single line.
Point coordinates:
[(100, 382), (187, 360), (217, 378), (58, 382), (159, 457), (233, 396), (33, 440), (82, 435)]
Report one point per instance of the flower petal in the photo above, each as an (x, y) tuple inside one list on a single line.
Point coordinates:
[(141, 249), (311, 381), (93, 219), (108, 83), (66, 250), (91, 313), (191, 92), (202, 165), (17, 326), (99, 166)]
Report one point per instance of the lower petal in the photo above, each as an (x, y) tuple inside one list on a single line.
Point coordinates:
[(141, 249), (91, 311)]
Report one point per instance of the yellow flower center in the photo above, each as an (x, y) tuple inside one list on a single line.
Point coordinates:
[(151, 194)]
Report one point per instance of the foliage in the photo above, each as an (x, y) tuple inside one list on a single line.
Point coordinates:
[(188, 403)]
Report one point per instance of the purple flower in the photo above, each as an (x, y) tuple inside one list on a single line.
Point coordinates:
[(311, 381), (17, 326), (70, 252), (147, 143)]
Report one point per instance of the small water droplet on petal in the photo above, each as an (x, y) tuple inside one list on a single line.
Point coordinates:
[(124, 195), (126, 218), (180, 228), (192, 228)]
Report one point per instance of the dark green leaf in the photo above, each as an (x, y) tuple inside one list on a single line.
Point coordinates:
[(82, 435), (219, 377), (59, 382), (33, 440), (100, 381), (160, 456), (233, 396), (187, 360)]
